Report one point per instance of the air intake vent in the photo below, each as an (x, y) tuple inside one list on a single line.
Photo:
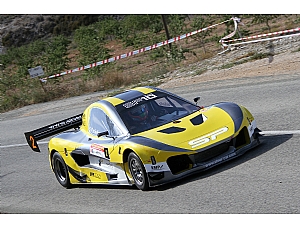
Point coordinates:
[(179, 163), (172, 130), (197, 120)]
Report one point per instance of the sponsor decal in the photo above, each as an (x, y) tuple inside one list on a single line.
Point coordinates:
[(99, 151), (105, 162), (95, 175), (220, 159), (207, 138), (138, 100), (251, 128), (157, 167), (65, 122)]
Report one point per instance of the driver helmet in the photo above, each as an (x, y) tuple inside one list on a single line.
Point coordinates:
[(139, 113)]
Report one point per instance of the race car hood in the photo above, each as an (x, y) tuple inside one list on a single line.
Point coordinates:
[(200, 129)]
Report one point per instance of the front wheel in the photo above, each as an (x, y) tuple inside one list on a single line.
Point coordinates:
[(61, 171), (138, 172)]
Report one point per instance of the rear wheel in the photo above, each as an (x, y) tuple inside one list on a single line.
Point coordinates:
[(61, 171), (138, 172)]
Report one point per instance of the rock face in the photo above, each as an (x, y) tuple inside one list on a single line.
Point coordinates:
[(16, 30)]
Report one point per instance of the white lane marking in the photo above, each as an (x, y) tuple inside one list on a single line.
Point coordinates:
[(295, 132), (25, 144)]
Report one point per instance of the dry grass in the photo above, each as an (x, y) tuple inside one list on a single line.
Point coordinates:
[(130, 70), (137, 69)]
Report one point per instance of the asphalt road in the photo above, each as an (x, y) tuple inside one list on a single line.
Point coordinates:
[(264, 180)]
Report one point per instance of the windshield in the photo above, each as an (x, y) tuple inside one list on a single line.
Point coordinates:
[(144, 114)]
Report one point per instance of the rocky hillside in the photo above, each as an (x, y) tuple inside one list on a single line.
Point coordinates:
[(256, 59), (17, 30), (21, 29)]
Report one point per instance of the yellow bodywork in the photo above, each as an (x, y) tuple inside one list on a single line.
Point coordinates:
[(192, 140)]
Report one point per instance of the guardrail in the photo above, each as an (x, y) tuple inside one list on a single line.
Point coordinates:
[(148, 48), (226, 44)]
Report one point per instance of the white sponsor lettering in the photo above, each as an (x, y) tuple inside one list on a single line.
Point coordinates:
[(251, 128), (220, 160), (158, 167), (207, 138), (138, 100), (65, 122)]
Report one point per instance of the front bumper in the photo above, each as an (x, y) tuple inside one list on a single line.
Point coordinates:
[(186, 165)]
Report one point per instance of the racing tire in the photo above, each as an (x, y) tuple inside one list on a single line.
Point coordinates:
[(138, 172), (61, 170)]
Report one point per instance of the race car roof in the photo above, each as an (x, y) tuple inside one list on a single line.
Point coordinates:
[(129, 95)]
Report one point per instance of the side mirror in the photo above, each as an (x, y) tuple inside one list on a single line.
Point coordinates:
[(102, 133), (196, 99)]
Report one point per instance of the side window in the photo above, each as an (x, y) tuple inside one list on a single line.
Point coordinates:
[(163, 102), (183, 105), (100, 122)]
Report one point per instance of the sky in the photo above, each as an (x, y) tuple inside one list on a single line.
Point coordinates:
[(148, 7)]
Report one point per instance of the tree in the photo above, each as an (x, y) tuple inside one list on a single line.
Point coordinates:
[(91, 48), (264, 18), (55, 57), (176, 24), (132, 25), (200, 22)]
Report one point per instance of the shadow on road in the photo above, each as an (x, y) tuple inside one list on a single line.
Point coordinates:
[(105, 186)]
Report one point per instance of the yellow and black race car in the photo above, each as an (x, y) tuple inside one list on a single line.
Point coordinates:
[(146, 137)]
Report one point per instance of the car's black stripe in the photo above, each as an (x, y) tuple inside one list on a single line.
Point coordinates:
[(129, 95), (155, 144), (234, 111)]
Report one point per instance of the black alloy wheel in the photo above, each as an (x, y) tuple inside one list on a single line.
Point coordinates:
[(138, 172), (61, 171)]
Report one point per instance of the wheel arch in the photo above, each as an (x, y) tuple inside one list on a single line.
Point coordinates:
[(51, 153), (126, 154)]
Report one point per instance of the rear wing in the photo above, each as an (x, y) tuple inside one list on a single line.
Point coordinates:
[(33, 136)]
